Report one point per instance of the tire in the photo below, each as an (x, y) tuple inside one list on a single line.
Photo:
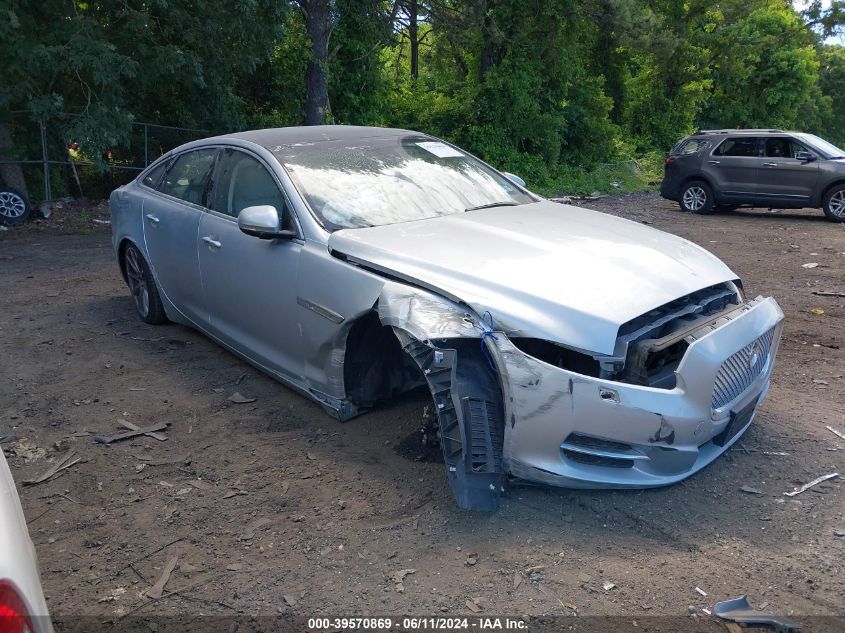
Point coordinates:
[(142, 287), (696, 197), (14, 207), (833, 204)]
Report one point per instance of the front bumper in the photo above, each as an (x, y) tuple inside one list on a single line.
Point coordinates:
[(567, 429)]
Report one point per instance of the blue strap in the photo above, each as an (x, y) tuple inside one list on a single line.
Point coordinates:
[(487, 332)]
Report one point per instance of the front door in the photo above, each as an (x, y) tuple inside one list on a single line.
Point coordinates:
[(784, 178), (171, 221), (250, 283)]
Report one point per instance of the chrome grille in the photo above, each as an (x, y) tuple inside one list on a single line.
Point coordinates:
[(738, 372)]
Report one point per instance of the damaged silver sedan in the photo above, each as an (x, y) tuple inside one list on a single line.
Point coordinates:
[(560, 345)]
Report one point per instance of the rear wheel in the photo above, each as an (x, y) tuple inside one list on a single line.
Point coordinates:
[(696, 197), (833, 204), (14, 208), (142, 287)]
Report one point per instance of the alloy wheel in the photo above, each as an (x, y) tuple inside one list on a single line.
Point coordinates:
[(695, 198), (837, 204), (12, 205), (137, 282)]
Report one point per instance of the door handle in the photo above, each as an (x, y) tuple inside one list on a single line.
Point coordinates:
[(212, 242), (770, 164), (715, 162), (152, 219)]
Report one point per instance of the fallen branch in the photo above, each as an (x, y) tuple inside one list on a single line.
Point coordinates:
[(134, 427), (106, 439), (838, 434), (157, 589), (815, 482), (60, 465)]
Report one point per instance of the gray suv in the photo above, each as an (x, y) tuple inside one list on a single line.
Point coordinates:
[(725, 169)]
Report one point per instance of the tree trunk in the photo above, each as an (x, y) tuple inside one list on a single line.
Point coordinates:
[(490, 53), (317, 108), (413, 34), (11, 175)]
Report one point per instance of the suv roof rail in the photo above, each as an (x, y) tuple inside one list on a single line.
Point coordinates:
[(741, 130)]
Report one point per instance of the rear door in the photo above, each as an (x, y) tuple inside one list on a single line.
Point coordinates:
[(734, 166), (783, 178), (250, 283), (171, 221)]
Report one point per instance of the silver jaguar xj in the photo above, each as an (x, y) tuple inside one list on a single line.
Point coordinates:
[(560, 345)]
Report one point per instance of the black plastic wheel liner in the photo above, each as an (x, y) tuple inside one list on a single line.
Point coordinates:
[(469, 409)]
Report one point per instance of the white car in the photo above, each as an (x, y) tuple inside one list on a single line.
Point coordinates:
[(22, 605)]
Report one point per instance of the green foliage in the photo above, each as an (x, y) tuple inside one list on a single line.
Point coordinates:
[(574, 95)]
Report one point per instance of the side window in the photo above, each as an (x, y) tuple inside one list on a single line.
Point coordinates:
[(738, 146), (152, 177), (187, 177), (242, 181), (796, 147), (778, 147), (691, 146)]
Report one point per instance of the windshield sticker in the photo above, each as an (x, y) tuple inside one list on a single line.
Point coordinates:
[(441, 150)]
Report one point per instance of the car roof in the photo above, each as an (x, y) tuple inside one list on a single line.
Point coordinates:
[(281, 136)]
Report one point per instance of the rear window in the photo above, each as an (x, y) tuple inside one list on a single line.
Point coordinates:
[(738, 146), (152, 177), (690, 146)]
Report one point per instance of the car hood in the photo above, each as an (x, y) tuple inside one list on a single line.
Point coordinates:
[(543, 270)]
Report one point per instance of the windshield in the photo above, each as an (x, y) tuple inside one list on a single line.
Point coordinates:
[(353, 183), (828, 150)]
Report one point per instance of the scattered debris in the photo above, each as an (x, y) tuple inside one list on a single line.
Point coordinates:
[(751, 491), (99, 221), (817, 311), (815, 482), (398, 577), (608, 585), (290, 600), (700, 591), (234, 493), (66, 461), (239, 398), (810, 265), (471, 560), (839, 533), (738, 610), (105, 439), (472, 605), (823, 293), (838, 434), (28, 451), (149, 461), (161, 437), (517, 580), (157, 589)]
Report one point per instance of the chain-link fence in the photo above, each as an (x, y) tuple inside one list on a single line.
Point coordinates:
[(51, 166)]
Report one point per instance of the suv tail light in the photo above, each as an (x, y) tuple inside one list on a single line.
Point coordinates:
[(669, 159), (14, 616)]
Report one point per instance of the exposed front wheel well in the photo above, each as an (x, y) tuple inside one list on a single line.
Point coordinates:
[(375, 367)]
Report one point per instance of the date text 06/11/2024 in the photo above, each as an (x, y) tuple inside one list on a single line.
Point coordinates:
[(417, 624)]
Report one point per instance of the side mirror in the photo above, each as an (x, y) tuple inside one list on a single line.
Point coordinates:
[(514, 179), (263, 222), (804, 157)]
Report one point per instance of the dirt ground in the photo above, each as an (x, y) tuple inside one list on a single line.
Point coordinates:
[(272, 507)]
